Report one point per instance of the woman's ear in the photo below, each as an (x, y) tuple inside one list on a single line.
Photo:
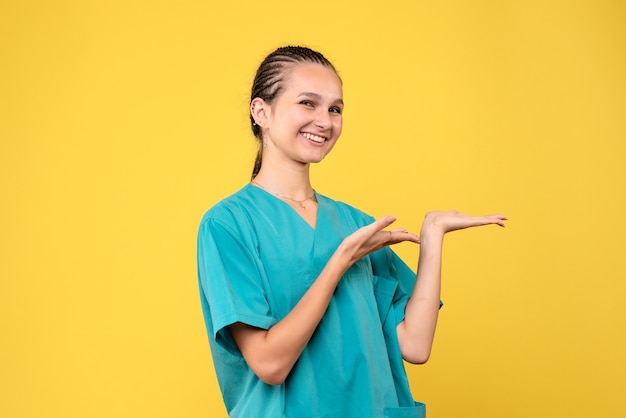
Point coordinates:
[(258, 110)]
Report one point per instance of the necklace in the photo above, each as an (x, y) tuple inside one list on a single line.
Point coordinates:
[(282, 196)]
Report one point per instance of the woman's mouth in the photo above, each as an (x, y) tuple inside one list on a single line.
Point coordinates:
[(314, 138)]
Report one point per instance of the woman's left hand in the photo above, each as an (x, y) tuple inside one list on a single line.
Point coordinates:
[(451, 220)]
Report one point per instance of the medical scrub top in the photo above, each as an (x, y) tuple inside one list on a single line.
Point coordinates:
[(256, 258)]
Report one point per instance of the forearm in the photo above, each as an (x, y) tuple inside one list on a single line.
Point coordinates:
[(272, 353), (417, 331)]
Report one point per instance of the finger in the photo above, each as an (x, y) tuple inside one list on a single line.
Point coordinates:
[(497, 216), (382, 223), (376, 227), (398, 235), (495, 219), (403, 234), (407, 236), (500, 219)]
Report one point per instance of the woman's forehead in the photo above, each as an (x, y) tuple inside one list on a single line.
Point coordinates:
[(313, 78)]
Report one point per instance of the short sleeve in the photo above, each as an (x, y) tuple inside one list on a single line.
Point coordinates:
[(231, 281)]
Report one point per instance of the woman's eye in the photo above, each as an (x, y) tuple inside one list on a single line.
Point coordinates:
[(335, 110), (306, 103)]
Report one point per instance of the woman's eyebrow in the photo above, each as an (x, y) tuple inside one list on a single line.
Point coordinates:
[(319, 97)]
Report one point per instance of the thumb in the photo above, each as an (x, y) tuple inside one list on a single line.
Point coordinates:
[(382, 223)]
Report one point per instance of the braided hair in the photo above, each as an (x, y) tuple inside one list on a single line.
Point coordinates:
[(268, 82)]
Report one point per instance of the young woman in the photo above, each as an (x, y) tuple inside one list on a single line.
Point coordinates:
[(309, 313)]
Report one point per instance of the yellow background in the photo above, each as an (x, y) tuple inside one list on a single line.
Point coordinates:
[(121, 122)]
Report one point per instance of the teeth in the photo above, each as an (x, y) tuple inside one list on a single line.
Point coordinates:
[(315, 138)]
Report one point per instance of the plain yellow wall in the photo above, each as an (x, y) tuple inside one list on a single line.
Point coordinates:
[(121, 122)]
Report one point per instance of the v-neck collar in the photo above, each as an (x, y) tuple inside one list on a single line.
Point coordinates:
[(291, 208)]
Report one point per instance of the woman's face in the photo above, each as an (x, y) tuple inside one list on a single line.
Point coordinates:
[(305, 120)]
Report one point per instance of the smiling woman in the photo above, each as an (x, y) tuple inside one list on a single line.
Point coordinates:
[(269, 84), (309, 312), (303, 123)]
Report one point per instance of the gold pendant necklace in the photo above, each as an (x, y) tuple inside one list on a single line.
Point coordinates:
[(282, 196)]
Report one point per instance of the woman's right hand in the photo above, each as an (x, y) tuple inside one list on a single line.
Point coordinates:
[(373, 237)]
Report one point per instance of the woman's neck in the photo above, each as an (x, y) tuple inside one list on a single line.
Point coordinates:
[(295, 184)]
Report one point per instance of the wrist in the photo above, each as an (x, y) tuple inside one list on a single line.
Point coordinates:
[(431, 231), (340, 261)]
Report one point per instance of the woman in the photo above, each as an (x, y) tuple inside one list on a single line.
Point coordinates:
[(309, 313)]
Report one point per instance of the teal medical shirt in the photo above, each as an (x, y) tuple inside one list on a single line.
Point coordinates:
[(256, 258)]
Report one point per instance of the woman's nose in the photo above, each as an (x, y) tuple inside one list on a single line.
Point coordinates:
[(322, 119)]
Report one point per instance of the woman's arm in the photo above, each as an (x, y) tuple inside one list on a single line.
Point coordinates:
[(272, 353), (417, 331)]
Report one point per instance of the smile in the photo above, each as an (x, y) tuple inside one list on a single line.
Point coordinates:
[(314, 138)]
